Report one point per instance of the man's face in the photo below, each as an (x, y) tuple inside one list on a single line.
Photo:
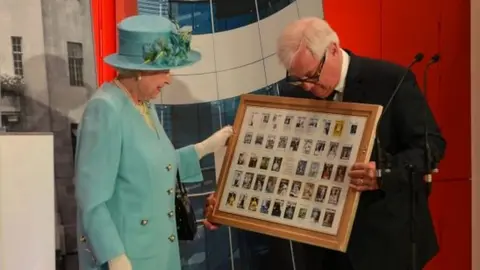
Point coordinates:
[(317, 76)]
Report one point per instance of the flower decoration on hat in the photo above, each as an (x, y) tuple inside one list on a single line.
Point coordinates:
[(171, 50)]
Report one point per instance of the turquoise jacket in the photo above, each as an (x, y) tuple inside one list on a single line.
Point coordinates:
[(125, 185)]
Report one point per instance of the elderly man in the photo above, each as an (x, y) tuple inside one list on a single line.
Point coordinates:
[(320, 69)]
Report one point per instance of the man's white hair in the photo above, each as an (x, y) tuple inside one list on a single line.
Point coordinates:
[(314, 32)]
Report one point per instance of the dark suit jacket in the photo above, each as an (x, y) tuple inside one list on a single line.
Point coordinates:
[(380, 238)]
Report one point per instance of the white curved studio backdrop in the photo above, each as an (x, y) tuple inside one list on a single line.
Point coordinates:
[(237, 61)]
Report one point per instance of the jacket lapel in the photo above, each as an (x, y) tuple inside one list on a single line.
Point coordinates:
[(353, 91)]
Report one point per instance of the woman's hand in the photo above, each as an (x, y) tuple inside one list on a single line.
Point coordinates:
[(214, 142), (120, 263), (208, 211)]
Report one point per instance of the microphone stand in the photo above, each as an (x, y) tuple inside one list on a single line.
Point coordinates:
[(429, 163), (380, 164), (413, 200), (410, 168), (412, 175)]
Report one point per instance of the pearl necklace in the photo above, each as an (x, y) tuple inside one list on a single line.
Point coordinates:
[(142, 106)]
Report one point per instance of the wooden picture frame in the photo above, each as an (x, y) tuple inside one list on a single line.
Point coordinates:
[(300, 209)]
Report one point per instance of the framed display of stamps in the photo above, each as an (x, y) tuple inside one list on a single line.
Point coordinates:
[(285, 169)]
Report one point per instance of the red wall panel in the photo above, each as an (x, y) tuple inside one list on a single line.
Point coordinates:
[(105, 36), (432, 26), (454, 87), (358, 24), (96, 14), (125, 8), (409, 27), (429, 26), (105, 15), (451, 210), (396, 31)]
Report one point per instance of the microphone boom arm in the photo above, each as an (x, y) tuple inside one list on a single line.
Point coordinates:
[(379, 152), (429, 160)]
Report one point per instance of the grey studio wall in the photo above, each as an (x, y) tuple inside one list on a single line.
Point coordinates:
[(238, 57)]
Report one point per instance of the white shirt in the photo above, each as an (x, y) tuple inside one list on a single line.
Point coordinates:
[(343, 76)]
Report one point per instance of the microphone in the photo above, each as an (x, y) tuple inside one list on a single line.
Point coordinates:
[(429, 162), (418, 58), (379, 153)]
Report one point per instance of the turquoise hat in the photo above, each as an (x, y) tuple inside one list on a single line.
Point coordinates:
[(152, 43)]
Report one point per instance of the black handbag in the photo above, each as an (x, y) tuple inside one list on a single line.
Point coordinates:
[(186, 220)]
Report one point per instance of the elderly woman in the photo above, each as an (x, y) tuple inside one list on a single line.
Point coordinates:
[(126, 167)]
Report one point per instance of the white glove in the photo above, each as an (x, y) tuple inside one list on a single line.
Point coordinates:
[(214, 142), (120, 263)]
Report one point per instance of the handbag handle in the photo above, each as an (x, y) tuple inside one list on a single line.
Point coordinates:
[(181, 187)]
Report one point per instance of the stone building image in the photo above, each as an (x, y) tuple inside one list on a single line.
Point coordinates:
[(47, 73)]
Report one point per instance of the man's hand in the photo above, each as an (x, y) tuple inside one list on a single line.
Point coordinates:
[(208, 211), (363, 176)]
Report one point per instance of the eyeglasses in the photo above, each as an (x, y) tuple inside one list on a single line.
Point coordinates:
[(314, 79)]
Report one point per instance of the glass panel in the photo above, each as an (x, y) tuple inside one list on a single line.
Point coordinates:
[(224, 21), (269, 7), (16, 44), (75, 50), (258, 252), (153, 7), (198, 203), (80, 71), (218, 248), (209, 251), (230, 14), (195, 14)]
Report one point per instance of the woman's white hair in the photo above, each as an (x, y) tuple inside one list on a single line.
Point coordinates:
[(127, 72), (314, 32)]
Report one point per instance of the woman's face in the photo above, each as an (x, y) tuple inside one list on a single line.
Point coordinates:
[(151, 83)]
